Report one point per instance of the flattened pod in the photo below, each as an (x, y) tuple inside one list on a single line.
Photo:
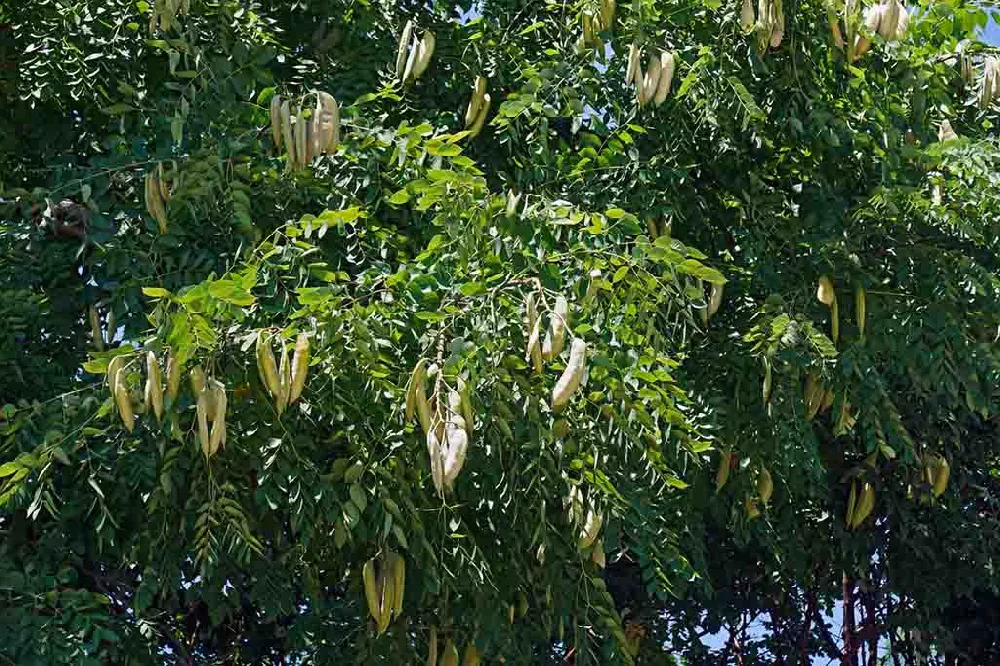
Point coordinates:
[(598, 557), (161, 180), (325, 124), (300, 367), (467, 414), (889, 20), (432, 646), (941, 477), (425, 49), (154, 388), (202, 408), (97, 337), (450, 656), (123, 401), (633, 63), (824, 292), (667, 65), (276, 121), (174, 364), (714, 298), (300, 139), (476, 101), (608, 14), (571, 377), (555, 337), (477, 126), (904, 22), (416, 377), (852, 500), (535, 348), (371, 589), (722, 473), (766, 388), (219, 405), (285, 380), (454, 457), (404, 43), (197, 380), (861, 308), (591, 529), (436, 454), (398, 570), (286, 133), (268, 366), (765, 486), (387, 590), (651, 81), (411, 61), (747, 16)]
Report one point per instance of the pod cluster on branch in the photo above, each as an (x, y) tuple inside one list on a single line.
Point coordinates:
[(306, 133)]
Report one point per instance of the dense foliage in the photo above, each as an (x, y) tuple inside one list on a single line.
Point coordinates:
[(765, 170)]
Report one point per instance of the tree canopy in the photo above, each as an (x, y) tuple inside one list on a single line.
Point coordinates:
[(652, 334)]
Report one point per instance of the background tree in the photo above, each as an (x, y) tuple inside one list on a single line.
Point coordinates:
[(773, 162)]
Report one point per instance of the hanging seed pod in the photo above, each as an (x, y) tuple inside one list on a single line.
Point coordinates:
[(401, 51), (765, 486), (667, 64), (607, 17), (941, 476), (714, 298), (96, 335), (860, 308), (174, 368), (268, 366), (750, 505), (477, 126), (300, 367), (457, 445), (371, 589), (202, 410), (824, 292), (122, 399), (450, 656), (397, 569), (301, 155), (945, 131), (555, 337), (197, 380), (476, 101), (766, 388), (161, 179), (286, 133), (154, 389), (650, 81), (425, 49), (411, 61), (284, 380), (471, 657), (219, 404), (632, 72), (852, 500), (466, 406), (747, 18), (722, 473), (571, 377), (275, 112)]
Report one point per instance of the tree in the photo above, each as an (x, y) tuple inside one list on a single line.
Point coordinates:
[(732, 401)]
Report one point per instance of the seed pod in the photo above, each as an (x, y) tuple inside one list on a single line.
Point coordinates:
[(286, 133), (941, 476), (477, 126), (827, 400), (96, 335), (154, 389), (436, 453), (466, 406), (276, 121), (457, 446), (714, 298), (834, 23), (824, 292), (722, 473), (387, 591), (946, 132), (432, 646), (425, 49), (903, 24), (197, 380), (471, 657), (860, 308), (632, 71), (667, 64), (873, 18), (889, 19), (416, 378), (174, 367), (161, 179), (571, 377), (219, 404), (411, 61), (300, 139), (777, 25), (122, 398), (423, 406), (591, 529), (864, 505), (765, 486), (202, 411), (300, 367), (852, 500), (555, 337), (267, 366), (747, 18), (476, 101), (401, 51), (650, 81), (284, 380), (766, 388), (397, 567), (326, 124), (450, 656), (598, 557), (750, 505), (608, 15), (835, 322), (534, 347), (371, 589)]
